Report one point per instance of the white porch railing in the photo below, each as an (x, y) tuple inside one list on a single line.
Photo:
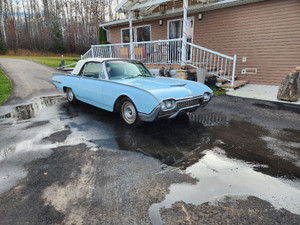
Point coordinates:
[(149, 52), (214, 62), (169, 52)]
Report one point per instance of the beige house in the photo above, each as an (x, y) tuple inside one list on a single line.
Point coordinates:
[(263, 34)]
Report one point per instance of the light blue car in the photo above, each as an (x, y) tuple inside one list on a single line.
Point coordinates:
[(127, 86)]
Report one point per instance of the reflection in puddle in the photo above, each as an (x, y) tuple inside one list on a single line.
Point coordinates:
[(209, 119), (219, 176), (24, 112), (179, 142), (172, 143)]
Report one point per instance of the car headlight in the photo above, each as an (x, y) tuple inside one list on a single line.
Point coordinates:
[(206, 96), (167, 105)]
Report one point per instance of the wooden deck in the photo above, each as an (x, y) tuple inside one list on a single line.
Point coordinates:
[(237, 83)]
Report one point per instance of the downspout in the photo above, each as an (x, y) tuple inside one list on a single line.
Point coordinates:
[(132, 56), (106, 33), (184, 36)]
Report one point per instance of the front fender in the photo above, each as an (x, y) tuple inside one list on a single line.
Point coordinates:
[(144, 101)]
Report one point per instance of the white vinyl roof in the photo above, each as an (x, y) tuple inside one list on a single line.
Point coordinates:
[(81, 62)]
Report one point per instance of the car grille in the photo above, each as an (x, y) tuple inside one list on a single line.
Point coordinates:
[(182, 104), (187, 103)]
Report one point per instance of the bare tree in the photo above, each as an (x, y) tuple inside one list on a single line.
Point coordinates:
[(38, 24)]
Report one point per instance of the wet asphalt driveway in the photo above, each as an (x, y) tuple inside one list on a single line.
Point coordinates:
[(236, 161)]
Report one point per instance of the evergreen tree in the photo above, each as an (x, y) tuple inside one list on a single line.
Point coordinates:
[(3, 49), (58, 42)]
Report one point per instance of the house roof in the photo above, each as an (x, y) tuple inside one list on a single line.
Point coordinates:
[(146, 8)]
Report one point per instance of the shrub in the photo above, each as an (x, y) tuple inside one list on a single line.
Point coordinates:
[(3, 49)]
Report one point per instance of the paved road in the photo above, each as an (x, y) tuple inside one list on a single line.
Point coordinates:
[(235, 162), (28, 78)]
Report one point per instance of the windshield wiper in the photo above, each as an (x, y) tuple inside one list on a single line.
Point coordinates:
[(130, 77), (139, 75), (144, 75)]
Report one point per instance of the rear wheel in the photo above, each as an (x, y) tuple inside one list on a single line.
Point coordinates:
[(129, 113), (70, 95)]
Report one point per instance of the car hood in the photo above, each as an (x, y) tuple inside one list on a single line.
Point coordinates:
[(164, 88)]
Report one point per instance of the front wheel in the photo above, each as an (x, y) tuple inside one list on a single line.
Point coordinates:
[(129, 113), (70, 95)]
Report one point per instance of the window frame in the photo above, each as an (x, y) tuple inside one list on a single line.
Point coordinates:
[(193, 28), (81, 73), (146, 25), (127, 28)]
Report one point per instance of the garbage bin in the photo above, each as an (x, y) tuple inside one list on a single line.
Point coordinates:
[(211, 82), (201, 73)]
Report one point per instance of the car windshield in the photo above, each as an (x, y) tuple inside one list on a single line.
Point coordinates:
[(126, 70)]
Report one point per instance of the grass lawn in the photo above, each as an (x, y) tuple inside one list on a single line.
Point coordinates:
[(5, 87), (219, 91), (46, 60)]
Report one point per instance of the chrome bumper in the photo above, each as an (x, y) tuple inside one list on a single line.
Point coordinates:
[(182, 106), (151, 116)]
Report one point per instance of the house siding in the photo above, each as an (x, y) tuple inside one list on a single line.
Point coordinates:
[(266, 33)]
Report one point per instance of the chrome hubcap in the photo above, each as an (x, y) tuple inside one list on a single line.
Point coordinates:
[(129, 112), (70, 94)]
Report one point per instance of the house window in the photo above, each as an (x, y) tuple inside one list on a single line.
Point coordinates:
[(125, 34), (143, 33)]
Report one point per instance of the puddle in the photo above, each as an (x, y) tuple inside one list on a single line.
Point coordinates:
[(52, 122), (180, 142), (21, 137), (25, 112), (219, 176)]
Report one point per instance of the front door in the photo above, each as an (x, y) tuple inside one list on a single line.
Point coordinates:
[(174, 32), (174, 47), (90, 88)]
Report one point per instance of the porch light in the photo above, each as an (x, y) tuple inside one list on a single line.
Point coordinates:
[(163, 8), (136, 13), (200, 16), (160, 22)]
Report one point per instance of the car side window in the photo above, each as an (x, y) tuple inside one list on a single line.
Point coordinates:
[(102, 74), (93, 70)]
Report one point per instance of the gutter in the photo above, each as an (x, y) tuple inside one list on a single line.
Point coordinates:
[(178, 11)]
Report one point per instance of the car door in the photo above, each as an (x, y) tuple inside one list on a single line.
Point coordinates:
[(90, 85)]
